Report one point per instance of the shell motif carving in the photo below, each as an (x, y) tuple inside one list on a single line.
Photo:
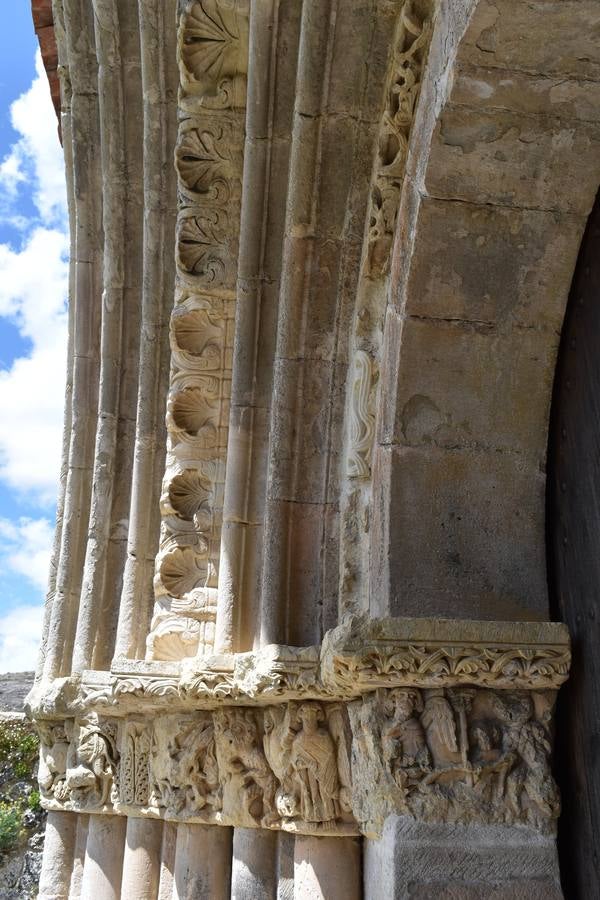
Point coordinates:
[(213, 62)]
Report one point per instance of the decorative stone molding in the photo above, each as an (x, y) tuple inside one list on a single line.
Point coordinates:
[(213, 62), (441, 720), (408, 57), (402, 92)]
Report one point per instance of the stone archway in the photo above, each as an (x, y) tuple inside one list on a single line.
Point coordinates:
[(501, 176)]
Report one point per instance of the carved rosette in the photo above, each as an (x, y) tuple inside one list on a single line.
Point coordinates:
[(213, 62), (439, 721)]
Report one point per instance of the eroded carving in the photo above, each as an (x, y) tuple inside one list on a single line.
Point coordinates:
[(184, 766), (402, 92), (54, 747), (446, 755), (247, 780), (92, 763), (134, 764), (361, 418)]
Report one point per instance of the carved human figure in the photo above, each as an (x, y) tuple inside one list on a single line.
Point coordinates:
[(440, 727), (485, 743), (276, 728), (313, 758), (403, 738), (242, 762)]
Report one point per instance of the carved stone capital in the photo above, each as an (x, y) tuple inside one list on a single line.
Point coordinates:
[(440, 720)]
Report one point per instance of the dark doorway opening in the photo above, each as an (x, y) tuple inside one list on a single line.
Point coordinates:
[(573, 541)]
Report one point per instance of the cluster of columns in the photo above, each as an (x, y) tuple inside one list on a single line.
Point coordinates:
[(110, 857)]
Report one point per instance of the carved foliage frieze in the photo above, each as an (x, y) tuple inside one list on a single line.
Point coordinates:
[(213, 63)]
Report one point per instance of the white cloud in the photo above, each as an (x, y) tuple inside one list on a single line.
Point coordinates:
[(25, 548), (33, 291), (36, 158), (33, 287), (20, 633)]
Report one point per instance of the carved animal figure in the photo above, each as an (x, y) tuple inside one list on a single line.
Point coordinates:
[(54, 747), (242, 761), (185, 772), (94, 763)]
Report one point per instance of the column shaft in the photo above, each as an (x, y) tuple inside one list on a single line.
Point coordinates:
[(202, 863), (103, 865), (327, 868), (59, 849)]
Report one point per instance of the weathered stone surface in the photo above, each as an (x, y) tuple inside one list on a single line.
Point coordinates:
[(487, 264), (378, 209), (430, 859), (480, 548), (507, 159)]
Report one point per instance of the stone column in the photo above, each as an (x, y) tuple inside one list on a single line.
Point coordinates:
[(167, 861), (103, 865), (59, 849), (254, 864), (202, 863), (327, 868), (141, 861), (83, 824)]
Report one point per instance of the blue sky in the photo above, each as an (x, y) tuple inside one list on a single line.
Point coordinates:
[(33, 286)]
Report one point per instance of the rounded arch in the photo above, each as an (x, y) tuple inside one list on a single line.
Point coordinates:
[(502, 172), (574, 564)]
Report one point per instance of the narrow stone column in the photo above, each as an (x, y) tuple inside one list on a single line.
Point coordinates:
[(83, 824), (167, 861), (254, 864), (327, 868), (141, 861), (103, 863), (202, 863), (59, 849)]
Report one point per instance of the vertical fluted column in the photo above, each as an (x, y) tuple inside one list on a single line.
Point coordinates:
[(86, 299), (103, 864), (167, 861), (59, 850), (254, 864), (273, 52), (108, 51), (67, 142), (141, 860), (157, 43)]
